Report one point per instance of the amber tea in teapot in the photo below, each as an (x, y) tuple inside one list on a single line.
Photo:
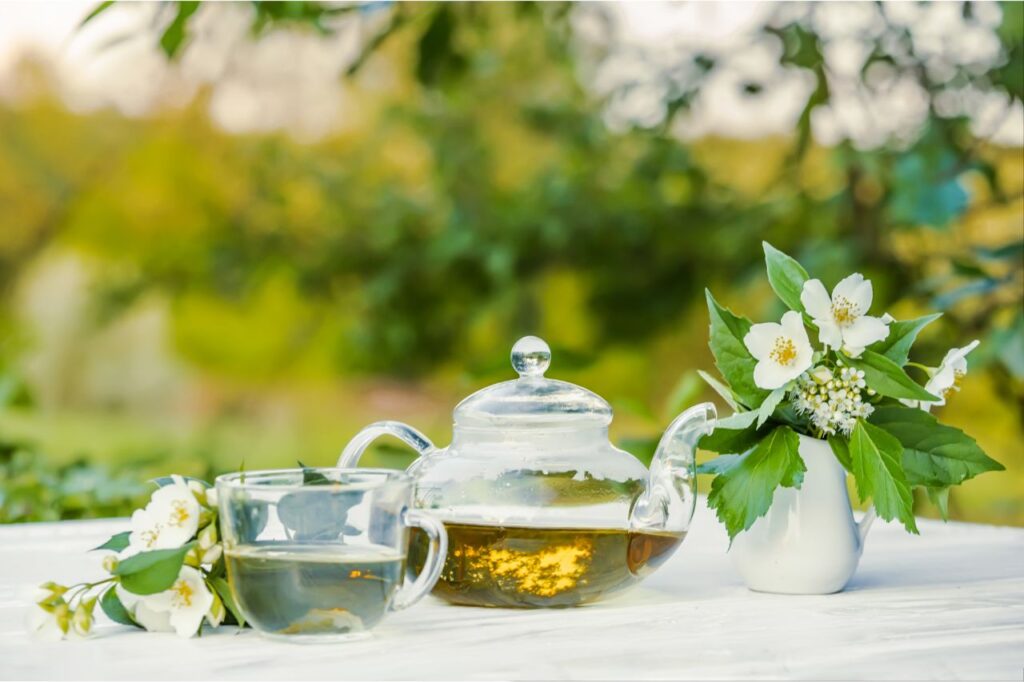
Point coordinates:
[(540, 508), (541, 567)]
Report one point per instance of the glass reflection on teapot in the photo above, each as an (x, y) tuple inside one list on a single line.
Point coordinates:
[(541, 510)]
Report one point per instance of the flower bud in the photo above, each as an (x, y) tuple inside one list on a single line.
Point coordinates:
[(821, 375), (63, 615), (211, 555), (110, 563), (217, 612), (211, 497), (49, 595), (81, 620), (192, 558), (206, 517), (208, 536), (53, 588)]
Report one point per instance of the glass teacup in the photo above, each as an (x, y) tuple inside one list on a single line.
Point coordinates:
[(320, 554)]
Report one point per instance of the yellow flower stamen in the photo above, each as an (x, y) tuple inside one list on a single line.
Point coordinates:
[(958, 380), (784, 351), (179, 513), (182, 597), (844, 312), (149, 537)]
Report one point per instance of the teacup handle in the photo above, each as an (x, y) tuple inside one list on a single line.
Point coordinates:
[(354, 450), (436, 554)]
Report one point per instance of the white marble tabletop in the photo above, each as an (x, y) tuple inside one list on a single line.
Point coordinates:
[(947, 604)]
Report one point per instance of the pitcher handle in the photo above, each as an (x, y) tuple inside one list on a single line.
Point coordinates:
[(354, 450), (437, 552)]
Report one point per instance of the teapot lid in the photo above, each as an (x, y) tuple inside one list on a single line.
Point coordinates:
[(533, 400)]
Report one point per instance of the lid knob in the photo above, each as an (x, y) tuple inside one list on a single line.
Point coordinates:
[(531, 357)]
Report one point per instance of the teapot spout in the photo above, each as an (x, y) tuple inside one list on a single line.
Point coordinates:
[(668, 502)]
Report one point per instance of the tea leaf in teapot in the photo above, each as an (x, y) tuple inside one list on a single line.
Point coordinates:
[(744, 491)]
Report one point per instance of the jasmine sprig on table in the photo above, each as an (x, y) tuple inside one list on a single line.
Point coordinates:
[(165, 574), (853, 390)]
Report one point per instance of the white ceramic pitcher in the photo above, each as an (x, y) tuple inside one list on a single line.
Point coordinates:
[(808, 542)]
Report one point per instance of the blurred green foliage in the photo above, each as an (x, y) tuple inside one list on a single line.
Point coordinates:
[(480, 196)]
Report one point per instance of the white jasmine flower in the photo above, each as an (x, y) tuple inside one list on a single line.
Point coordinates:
[(153, 621), (782, 351), (947, 377), (842, 318), (186, 602), (951, 372), (169, 520)]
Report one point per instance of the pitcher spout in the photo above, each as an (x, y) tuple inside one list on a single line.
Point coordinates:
[(667, 503), (865, 525)]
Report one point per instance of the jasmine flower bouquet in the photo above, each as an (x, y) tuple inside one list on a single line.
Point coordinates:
[(165, 574), (852, 390)]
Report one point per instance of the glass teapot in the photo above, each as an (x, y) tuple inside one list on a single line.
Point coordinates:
[(540, 508)]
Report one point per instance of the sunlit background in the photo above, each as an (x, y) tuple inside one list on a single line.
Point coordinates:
[(236, 233)]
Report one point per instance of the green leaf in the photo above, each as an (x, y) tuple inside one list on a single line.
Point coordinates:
[(728, 441), (152, 572), (115, 610), (875, 456), (888, 378), (743, 493), (173, 38), (737, 420), (934, 454), (224, 592), (841, 449), (439, 60), (721, 389), (719, 465), (96, 11), (902, 335), (940, 498), (311, 476), (116, 542), (786, 276), (731, 357), (769, 405)]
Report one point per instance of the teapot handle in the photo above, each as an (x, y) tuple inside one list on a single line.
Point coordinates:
[(354, 450)]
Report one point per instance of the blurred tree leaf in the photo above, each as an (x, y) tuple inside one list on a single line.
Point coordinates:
[(173, 37)]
